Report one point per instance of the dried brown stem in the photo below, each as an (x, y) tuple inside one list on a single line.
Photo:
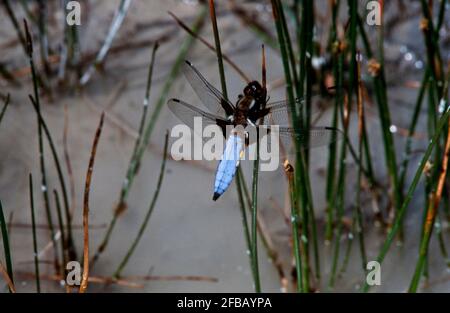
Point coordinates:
[(7, 278), (87, 188)]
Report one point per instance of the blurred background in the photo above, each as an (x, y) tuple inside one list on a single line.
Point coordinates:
[(191, 243)]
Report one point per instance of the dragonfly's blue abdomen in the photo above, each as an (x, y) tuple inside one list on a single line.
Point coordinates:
[(228, 165)]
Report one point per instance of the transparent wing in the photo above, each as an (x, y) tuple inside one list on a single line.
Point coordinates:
[(312, 138), (187, 112), (283, 137), (210, 96), (279, 111)]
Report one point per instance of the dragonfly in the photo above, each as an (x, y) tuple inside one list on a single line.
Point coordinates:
[(251, 109)]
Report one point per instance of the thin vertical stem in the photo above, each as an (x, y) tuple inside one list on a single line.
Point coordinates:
[(361, 123), (147, 216), (6, 247), (301, 179), (133, 166), (239, 185), (87, 189), (64, 249), (254, 252), (332, 154), (398, 219), (70, 245), (295, 226), (412, 128), (33, 227), (5, 106), (433, 206), (340, 191), (212, 13), (44, 186)]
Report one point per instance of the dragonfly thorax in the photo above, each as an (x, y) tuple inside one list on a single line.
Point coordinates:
[(251, 102)]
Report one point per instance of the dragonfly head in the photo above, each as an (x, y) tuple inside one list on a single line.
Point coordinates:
[(254, 90)]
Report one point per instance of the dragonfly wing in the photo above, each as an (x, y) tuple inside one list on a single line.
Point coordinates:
[(312, 138), (285, 136), (279, 112), (210, 96), (187, 112)]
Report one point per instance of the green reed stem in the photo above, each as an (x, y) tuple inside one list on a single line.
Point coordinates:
[(43, 37), (16, 25), (44, 186), (265, 240), (70, 244), (398, 219), (33, 227), (295, 226), (438, 173), (297, 124), (412, 129), (441, 15), (358, 220), (20, 36), (212, 13), (302, 42), (133, 166), (442, 245), (348, 249), (331, 178), (332, 150), (355, 84), (254, 252), (309, 84), (144, 224), (239, 184), (432, 44), (172, 76), (63, 241), (340, 191), (340, 198), (6, 247), (5, 106), (290, 51), (302, 176), (436, 189), (308, 214), (379, 82)]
